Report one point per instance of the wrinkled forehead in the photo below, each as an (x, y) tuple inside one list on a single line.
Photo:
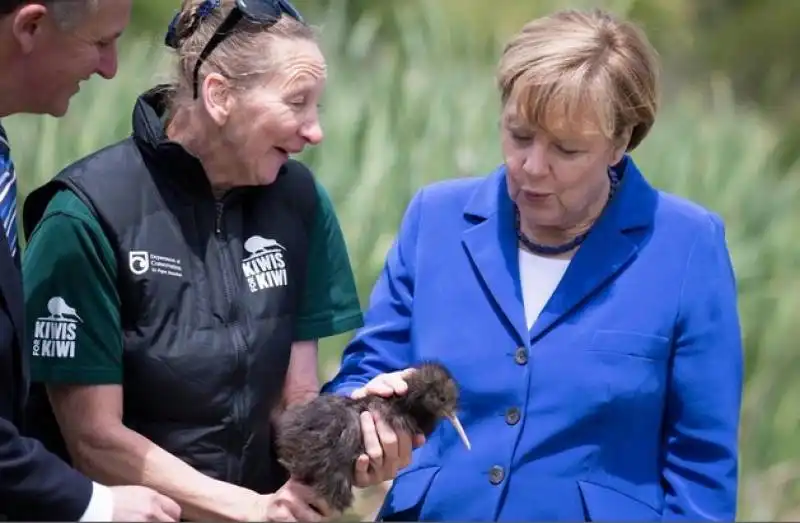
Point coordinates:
[(299, 64), (561, 107)]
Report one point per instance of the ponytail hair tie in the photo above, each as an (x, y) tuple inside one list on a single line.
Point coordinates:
[(173, 39), (206, 8)]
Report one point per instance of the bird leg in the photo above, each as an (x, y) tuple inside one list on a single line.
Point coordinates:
[(461, 434)]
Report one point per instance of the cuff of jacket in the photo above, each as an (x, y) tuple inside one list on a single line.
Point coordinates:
[(101, 504)]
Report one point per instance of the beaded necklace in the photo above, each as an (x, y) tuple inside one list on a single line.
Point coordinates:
[(551, 250)]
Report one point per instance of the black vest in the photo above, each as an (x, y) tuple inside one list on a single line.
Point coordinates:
[(209, 291)]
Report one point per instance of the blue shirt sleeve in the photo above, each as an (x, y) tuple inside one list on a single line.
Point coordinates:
[(384, 343)]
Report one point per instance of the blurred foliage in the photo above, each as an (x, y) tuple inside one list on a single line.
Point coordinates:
[(411, 99), (738, 39)]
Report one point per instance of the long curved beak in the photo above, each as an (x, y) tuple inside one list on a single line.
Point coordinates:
[(460, 429)]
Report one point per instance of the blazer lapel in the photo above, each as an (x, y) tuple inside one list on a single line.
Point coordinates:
[(491, 245), (604, 254), (607, 251)]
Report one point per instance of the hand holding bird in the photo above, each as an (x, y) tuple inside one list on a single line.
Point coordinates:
[(386, 452), (386, 385), (294, 501), (320, 442)]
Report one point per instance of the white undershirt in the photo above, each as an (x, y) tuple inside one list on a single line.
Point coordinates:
[(539, 278)]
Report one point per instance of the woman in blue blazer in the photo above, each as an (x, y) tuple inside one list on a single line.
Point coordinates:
[(590, 320)]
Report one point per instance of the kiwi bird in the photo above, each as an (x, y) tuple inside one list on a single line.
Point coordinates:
[(58, 309), (319, 442)]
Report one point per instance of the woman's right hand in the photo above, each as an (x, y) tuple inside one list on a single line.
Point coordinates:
[(294, 501), (386, 451)]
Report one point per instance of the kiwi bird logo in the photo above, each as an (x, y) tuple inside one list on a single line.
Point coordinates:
[(61, 311), (256, 245)]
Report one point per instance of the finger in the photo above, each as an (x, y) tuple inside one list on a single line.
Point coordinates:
[(377, 387), (398, 384), (372, 444), (160, 515), (381, 386), (321, 506), (407, 372), (283, 513), (388, 441), (292, 501), (403, 450), (362, 471), (302, 512), (308, 496), (419, 440), (171, 508), (359, 393)]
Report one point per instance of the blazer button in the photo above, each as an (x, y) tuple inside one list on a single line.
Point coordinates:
[(521, 356), (512, 416), (496, 475)]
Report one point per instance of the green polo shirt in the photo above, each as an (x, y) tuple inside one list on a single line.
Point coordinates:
[(73, 308)]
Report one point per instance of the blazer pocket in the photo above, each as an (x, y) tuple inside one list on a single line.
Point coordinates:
[(631, 344), (404, 500), (606, 504)]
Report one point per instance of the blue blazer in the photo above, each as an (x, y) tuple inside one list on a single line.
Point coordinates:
[(621, 403)]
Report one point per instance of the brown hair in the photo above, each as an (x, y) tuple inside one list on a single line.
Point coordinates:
[(244, 53), (560, 65)]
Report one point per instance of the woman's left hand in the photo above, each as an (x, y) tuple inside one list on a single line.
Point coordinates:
[(386, 451)]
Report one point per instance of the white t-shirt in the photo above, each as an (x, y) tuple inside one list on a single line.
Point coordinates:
[(539, 278)]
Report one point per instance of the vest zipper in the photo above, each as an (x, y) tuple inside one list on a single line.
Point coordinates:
[(238, 339), (220, 206)]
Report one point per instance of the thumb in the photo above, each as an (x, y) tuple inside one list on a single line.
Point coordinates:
[(171, 508)]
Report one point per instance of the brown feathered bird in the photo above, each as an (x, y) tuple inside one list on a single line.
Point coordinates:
[(319, 442)]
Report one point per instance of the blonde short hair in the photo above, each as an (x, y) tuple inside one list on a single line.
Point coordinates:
[(560, 66), (245, 53)]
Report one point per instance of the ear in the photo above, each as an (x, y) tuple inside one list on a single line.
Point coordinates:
[(621, 145), (217, 97), (28, 24)]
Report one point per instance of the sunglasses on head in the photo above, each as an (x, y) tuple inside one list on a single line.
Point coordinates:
[(263, 12)]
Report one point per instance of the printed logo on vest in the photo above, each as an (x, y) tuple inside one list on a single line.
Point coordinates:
[(55, 335), (142, 261), (265, 267)]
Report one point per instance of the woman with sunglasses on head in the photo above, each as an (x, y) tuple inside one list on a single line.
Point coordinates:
[(178, 281)]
